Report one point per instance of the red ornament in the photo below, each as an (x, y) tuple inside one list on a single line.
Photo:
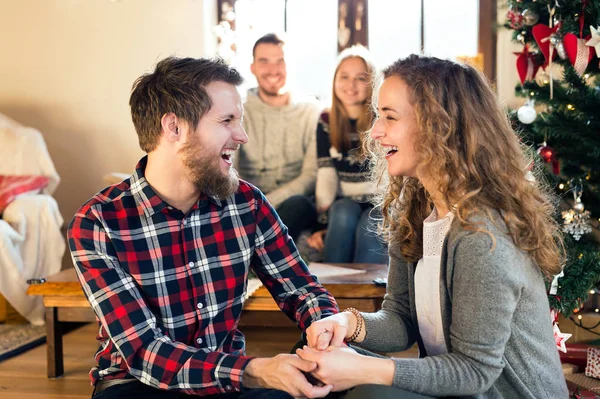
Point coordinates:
[(526, 65), (549, 156), (541, 34), (515, 18), (546, 153), (579, 53)]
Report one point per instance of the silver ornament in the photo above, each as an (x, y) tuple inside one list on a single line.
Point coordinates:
[(556, 41), (530, 17), (576, 224), (579, 207)]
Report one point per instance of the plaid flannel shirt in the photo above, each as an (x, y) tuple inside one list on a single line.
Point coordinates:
[(168, 287)]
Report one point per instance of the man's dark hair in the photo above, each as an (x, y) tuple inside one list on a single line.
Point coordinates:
[(177, 85), (269, 38)]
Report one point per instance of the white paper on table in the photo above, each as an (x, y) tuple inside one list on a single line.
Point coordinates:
[(253, 285), (322, 270)]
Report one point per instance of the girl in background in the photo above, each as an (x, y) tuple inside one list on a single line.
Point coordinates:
[(343, 187)]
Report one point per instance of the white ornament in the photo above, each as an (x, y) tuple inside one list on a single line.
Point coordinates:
[(560, 338), (576, 223), (526, 114), (595, 40)]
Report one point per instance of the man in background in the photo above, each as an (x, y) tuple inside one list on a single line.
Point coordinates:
[(280, 158)]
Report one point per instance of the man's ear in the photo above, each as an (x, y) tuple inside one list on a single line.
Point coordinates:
[(171, 127), (252, 69)]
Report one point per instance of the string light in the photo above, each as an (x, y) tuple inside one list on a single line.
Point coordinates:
[(532, 93), (561, 186), (580, 256), (579, 317), (592, 292), (570, 107)]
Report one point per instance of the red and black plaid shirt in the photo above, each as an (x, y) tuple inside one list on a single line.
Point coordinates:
[(168, 287)]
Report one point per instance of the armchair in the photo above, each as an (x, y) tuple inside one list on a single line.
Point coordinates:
[(31, 241)]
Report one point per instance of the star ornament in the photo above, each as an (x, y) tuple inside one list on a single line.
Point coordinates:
[(595, 40), (560, 339)]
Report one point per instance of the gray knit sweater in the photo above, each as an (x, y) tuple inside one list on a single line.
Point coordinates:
[(495, 317), (280, 156)]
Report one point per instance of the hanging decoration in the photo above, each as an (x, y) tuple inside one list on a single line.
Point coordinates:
[(576, 221), (542, 35), (549, 156), (530, 17), (515, 19), (579, 53), (560, 338), (527, 113), (595, 40), (526, 65)]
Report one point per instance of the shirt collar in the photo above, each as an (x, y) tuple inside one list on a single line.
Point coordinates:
[(147, 198)]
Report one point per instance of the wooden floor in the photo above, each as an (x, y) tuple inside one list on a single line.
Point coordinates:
[(24, 377)]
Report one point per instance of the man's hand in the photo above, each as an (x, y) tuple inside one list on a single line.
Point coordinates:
[(330, 331), (316, 240), (285, 373)]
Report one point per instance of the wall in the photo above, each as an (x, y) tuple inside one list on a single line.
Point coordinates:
[(67, 67)]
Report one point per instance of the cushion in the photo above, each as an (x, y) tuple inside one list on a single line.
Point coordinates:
[(12, 186)]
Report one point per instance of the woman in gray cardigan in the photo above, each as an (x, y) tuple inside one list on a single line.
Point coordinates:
[(471, 241)]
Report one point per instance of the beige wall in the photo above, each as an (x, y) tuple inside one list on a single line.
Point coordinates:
[(67, 66)]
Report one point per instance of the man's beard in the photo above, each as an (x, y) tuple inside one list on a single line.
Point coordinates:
[(204, 171)]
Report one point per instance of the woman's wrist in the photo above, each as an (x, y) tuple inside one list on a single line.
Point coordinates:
[(376, 370), (351, 321)]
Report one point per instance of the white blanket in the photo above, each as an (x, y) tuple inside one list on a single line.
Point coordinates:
[(31, 242)]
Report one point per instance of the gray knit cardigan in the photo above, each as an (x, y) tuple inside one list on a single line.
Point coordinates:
[(495, 316)]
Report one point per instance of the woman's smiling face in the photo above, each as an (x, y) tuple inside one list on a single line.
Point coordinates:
[(395, 127)]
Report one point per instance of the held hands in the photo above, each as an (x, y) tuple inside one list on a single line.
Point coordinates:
[(316, 240), (337, 367), (330, 331), (285, 373)]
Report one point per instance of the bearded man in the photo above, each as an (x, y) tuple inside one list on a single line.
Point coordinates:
[(281, 158), (163, 257)]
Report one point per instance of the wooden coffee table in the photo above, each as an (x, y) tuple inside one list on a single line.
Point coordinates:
[(65, 302)]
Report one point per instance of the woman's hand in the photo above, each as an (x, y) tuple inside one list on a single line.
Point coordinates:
[(343, 368), (337, 367), (316, 240), (330, 331)]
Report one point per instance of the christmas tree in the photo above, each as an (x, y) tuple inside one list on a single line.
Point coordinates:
[(559, 79)]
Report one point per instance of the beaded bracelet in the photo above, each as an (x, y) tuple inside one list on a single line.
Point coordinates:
[(359, 323)]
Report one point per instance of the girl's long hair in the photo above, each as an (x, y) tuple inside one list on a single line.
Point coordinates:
[(465, 141), (339, 122)]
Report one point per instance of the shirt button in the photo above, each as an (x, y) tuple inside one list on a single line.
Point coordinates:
[(228, 388), (200, 305), (199, 341), (191, 264)]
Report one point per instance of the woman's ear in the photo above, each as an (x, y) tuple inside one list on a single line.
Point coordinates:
[(171, 127)]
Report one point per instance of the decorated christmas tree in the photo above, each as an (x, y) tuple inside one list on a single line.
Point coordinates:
[(558, 68)]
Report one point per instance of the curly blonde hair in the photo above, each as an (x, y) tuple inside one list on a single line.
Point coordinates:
[(466, 141)]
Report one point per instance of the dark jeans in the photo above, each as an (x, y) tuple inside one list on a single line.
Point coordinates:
[(351, 234), (139, 390), (298, 213)]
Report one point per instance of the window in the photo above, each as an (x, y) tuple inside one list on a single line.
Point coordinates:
[(390, 28)]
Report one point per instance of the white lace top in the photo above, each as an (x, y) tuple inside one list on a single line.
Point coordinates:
[(427, 284)]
